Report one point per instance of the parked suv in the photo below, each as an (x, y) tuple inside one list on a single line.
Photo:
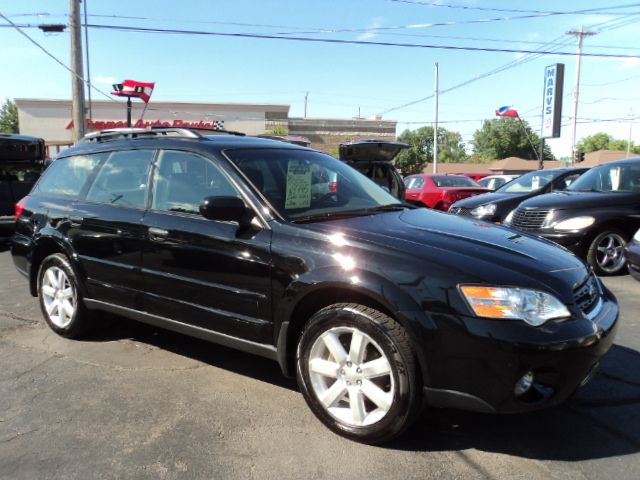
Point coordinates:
[(594, 218), (374, 159), (21, 162), (372, 305)]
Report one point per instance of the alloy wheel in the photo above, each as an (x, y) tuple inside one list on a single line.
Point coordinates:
[(609, 253), (59, 296), (351, 376)]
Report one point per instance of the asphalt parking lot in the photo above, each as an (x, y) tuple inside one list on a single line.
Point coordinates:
[(133, 401)]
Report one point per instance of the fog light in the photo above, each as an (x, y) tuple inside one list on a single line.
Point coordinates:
[(524, 384)]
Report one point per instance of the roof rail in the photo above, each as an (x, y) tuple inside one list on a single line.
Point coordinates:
[(155, 131), (118, 133), (216, 130)]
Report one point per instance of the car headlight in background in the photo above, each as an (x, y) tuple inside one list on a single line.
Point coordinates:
[(484, 210), (636, 237), (575, 223), (532, 306)]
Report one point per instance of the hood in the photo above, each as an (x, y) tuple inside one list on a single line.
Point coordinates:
[(464, 247), (370, 150), (575, 200), (493, 197)]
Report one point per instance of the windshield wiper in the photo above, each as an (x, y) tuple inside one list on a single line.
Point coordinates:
[(319, 217), (588, 190), (394, 207)]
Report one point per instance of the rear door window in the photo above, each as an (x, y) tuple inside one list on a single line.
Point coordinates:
[(67, 176), (123, 179), (183, 179)]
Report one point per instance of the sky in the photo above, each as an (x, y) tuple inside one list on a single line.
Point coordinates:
[(345, 80)]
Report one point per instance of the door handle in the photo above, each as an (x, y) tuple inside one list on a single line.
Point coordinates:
[(158, 234)]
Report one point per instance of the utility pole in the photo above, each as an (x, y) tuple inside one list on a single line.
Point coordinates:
[(306, 97), (630, 131), (580, 34), (86, 54), (435, 124), (77, 83)]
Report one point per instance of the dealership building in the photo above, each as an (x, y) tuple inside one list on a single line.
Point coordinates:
[(51, 120)]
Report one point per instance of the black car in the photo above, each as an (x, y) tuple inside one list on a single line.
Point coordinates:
[(495, 206), (632, 255), (594, 218), (374, 159), (21, 163), (374, 306)]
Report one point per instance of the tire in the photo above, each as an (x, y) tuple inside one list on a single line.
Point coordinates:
[(605, 253), (349, 350), (59, 297)]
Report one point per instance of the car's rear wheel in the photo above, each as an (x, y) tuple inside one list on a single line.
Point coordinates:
[(605, 252), (356, 369), (60, 299)]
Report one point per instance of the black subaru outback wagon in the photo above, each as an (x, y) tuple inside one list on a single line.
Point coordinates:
[(372, 305)]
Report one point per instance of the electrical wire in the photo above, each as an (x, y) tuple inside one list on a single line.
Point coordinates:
[(589, 11), (123, 28), (58, 61)]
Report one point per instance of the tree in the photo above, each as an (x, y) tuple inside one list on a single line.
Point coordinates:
[(9, 117), (505, 137), (413, 160), (604, 141), (595, 142), (278, 130)]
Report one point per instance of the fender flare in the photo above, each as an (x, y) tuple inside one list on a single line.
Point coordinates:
[(396, 301)]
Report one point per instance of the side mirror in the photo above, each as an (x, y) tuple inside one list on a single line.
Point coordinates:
[(225, 209)]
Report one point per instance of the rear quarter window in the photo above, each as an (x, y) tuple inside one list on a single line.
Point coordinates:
[(68, 176)]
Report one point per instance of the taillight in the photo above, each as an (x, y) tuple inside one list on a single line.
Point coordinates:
[(18, 210)]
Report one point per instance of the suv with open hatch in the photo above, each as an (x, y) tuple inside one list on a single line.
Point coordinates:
[(373, 305), (594, 217), (21, 163)]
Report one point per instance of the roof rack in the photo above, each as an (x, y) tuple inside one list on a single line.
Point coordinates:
[(155, 131)]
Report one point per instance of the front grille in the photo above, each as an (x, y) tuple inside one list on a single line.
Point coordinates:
[(586, 295), (529, 219), (466, 212)]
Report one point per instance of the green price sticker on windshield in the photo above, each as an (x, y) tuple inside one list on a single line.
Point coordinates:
[(298, 185)]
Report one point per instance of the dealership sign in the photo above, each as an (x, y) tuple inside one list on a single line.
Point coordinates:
[(552, 100), (108, 124)]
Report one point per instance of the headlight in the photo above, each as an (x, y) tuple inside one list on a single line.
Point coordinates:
[(636, 237), (484, 210), (575, 223), (507, 220), (532, 306)]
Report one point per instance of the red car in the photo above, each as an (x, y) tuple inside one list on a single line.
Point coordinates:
[(439, 191)]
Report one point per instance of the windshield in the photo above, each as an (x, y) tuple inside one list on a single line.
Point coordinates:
[(609, 178), (528, 182), (454, 181), (302, 184)]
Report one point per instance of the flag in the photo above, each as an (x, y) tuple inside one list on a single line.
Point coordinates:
[(133, 88), (507, 112)]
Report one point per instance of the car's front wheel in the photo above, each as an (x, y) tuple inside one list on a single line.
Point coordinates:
[(60, 300), (605, 252), (356, 369)]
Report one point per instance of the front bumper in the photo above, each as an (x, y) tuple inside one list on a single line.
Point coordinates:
[(479, 363)]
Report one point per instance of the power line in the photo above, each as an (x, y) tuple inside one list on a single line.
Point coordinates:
[(589, 11), (349, 42), (55, 59), (612, 82)]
